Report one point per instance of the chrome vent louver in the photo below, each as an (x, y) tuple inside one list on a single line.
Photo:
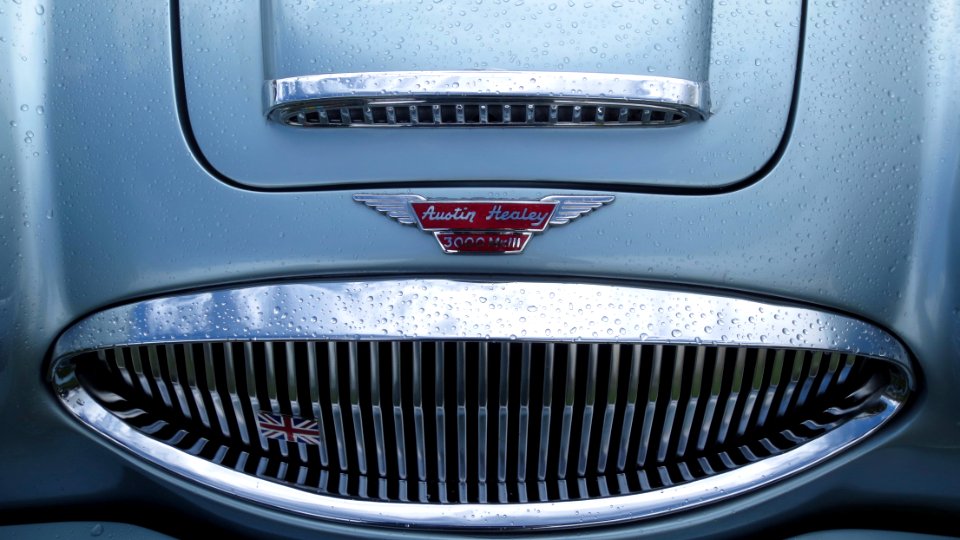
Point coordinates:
[(481, 114), (468, 420), (484, 98)]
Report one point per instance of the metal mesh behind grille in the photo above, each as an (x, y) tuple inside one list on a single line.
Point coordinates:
[(483, 422), (484, 114)]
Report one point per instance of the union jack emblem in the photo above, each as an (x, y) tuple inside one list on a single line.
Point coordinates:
[(288, 428)]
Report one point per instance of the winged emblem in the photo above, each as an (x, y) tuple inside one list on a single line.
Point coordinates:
[(395, 206), (483, 225)]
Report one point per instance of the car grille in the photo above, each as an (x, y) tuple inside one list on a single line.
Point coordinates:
[(470, 421), (444, 404)]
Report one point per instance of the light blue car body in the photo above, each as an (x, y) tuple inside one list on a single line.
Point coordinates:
[(107, 197)]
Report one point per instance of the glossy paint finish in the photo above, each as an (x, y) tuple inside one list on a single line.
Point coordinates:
[(751, 75), (103, 202)]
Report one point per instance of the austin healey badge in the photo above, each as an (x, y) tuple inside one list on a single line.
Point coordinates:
[(484, 225)]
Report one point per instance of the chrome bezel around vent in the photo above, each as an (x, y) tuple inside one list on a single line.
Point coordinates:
[(484, 99), (442, 310)]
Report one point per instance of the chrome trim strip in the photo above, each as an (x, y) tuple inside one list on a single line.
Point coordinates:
[(290, 95), (212, 316)]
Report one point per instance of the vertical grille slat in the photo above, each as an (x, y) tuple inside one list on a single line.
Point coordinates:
[(317, 408), (523, 428), (713, 401), (232, 386), (418, 412), (653, 395), (139, 371), (334, 377), (396, 394), (633, 386), (773, 388), (731, 403), (482, 419), (211, 389), (610, 409), (174, 379), (548, 362), (756, 383), (120, 364), (154, 363), (440, 412), (502, 413), (676, 387), (271, 378), (795, 373), (589, 401), (462, 448), (355, 411), (568, 403), (376, 410), (627, 417), (693, 401), (253, 401)]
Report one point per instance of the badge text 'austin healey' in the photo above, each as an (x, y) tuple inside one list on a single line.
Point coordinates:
[(483, 225)]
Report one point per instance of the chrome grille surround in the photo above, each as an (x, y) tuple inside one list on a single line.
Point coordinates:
[(467, 318), (484, 99)]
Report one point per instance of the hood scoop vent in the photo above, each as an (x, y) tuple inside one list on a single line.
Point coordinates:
[(479, 98)]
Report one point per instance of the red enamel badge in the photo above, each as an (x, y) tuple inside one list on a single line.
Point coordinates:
[(483, 226)]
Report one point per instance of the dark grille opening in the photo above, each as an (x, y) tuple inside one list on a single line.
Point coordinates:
[(475, 113), (496, 422)]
